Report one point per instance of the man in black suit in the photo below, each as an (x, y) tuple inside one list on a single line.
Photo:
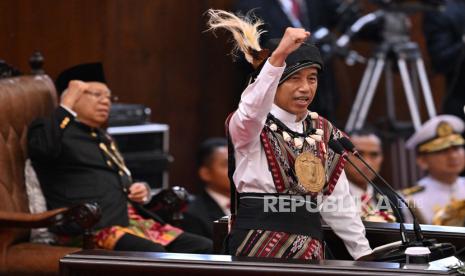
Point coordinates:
[(213, 202), (280, 14), (77, 161), (444, 31)]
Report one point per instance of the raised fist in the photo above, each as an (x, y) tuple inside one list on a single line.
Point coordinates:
[(291, 41), (72, 94)]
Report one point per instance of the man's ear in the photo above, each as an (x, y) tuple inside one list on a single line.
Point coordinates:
[(204, 174), (421, 162)]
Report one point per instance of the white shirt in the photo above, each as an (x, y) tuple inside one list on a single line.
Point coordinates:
[(357, 193), (252, 174), (435, 195), (220, 199)]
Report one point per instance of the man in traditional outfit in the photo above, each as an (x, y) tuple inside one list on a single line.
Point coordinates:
[(281, 164), (77, 161), (439, 197)]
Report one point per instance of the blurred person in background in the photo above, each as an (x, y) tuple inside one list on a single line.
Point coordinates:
[(439, 196), (213, 202), (373, 206), (444, 31)]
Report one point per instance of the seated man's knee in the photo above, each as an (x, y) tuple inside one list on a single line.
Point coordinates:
[(191, 243), (130, 242)]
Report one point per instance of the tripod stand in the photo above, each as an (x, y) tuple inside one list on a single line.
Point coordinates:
[(406, 54), (397, 47)]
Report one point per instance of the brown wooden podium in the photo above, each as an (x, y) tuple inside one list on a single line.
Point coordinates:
[(114, 263)]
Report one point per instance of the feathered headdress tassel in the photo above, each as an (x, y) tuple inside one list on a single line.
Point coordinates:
[(246, 33)]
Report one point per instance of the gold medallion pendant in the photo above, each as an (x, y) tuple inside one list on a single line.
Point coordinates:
[(310, 172)]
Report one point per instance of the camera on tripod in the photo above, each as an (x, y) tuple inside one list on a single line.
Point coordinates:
[(395, 23), (394, 48), (390, 20)]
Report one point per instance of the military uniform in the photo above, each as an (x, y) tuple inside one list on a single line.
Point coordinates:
[(432, 195)]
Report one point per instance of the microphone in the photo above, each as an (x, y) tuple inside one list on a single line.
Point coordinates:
[(349, 146), (438, 250), (339, 149)]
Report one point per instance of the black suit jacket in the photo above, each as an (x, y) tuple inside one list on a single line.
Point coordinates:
[(200, 215), (318, 13), (72, 168), (444, 31)]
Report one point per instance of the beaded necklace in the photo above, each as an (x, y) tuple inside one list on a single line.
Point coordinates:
[(310, 134), (309, 170)]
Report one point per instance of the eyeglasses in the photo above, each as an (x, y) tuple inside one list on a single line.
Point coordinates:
[(99, 95)]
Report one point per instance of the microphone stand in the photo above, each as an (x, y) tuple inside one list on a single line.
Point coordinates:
[(438, 250), (347, 144), (337, 147)]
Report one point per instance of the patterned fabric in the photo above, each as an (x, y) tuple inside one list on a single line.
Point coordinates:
[(145, 228), (138, 226), (281, 156), (370, 212), (270, 244)]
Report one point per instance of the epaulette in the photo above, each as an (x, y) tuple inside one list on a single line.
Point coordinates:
[(412, 190), (64, 122)]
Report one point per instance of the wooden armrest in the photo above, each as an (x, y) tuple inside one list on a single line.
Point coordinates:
[(27, 220), (85, 215)]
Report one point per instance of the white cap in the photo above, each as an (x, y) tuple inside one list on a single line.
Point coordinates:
[(417, 251), (437, 133)]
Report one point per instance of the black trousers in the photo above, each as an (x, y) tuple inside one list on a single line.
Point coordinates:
[(184, 243)]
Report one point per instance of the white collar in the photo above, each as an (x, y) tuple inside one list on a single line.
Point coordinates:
[(220, 199), (284, 116)]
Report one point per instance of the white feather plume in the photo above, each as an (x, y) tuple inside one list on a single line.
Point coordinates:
[(245, 30)]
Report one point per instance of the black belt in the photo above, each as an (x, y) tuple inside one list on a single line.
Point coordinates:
[(279, 212)]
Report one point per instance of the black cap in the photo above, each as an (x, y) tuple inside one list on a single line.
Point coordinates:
[(307, 55), (82, 72)]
